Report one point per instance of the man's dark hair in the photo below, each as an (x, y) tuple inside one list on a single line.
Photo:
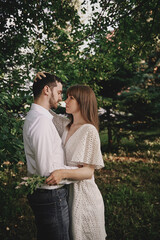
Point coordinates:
[(50, 80)]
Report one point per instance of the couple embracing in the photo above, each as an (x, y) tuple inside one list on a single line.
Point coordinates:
[(69, 206)]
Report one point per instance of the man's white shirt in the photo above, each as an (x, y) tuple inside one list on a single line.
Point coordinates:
[(42, 144)]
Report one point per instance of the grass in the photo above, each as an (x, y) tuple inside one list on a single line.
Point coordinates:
[(132, 199), (139, 144), (131, 193)]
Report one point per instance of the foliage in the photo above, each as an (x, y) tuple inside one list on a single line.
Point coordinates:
[(104, 52), (30, 184), (136, 144), (136, 105), (129, 101), (30, 32), (12, 203), (130, 191), (131, 199)]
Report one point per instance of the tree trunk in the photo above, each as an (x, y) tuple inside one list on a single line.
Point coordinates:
[(109, 131)]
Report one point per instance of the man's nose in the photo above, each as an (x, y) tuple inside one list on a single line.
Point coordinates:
[(60, 98)]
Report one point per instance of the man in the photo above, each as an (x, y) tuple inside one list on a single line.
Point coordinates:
[(44, 154)]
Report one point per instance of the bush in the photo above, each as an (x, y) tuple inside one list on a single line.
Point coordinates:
[(16, 219), (130, 191)]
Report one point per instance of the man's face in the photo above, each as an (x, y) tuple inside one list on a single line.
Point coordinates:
[(56, 95)]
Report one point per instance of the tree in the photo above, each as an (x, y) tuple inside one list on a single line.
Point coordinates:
[(118, 53), (32, 34), (38, 35), (142, 99)]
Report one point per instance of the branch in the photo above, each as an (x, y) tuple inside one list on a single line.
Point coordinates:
[(94, 31)]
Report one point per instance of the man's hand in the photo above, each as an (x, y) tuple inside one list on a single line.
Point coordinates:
[(39, 75), (55, 177)]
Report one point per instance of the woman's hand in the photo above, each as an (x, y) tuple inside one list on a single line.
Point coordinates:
[(55, 177), (39, 75)]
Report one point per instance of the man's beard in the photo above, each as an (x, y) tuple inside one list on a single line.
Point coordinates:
[(52, 102)]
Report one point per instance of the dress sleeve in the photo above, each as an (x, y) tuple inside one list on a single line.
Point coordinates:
[(60, 122), (88, 149)]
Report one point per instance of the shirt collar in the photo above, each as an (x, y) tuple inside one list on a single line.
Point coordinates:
[(41, 110)]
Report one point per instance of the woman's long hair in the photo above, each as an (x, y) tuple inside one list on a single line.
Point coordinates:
[(87, 102)]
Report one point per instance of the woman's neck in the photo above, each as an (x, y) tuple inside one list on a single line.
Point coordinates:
[(78, 120)]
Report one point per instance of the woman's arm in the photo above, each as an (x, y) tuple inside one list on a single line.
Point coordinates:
[(85, 172), (60, 122)]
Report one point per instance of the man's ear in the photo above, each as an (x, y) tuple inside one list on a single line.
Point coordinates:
[(46, 90)]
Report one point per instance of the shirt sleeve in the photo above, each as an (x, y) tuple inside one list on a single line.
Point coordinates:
[(88, 148)]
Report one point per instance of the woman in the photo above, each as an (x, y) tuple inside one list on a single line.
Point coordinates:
[(82, 148)]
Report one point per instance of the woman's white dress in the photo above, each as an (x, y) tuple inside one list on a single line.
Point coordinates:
[(85, 200)]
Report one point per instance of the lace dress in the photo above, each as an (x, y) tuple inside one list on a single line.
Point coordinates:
[(85, 200)]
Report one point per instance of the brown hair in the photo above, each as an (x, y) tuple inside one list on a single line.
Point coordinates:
[(87, 102)]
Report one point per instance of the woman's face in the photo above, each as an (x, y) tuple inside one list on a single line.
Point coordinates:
[(72, 105)]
